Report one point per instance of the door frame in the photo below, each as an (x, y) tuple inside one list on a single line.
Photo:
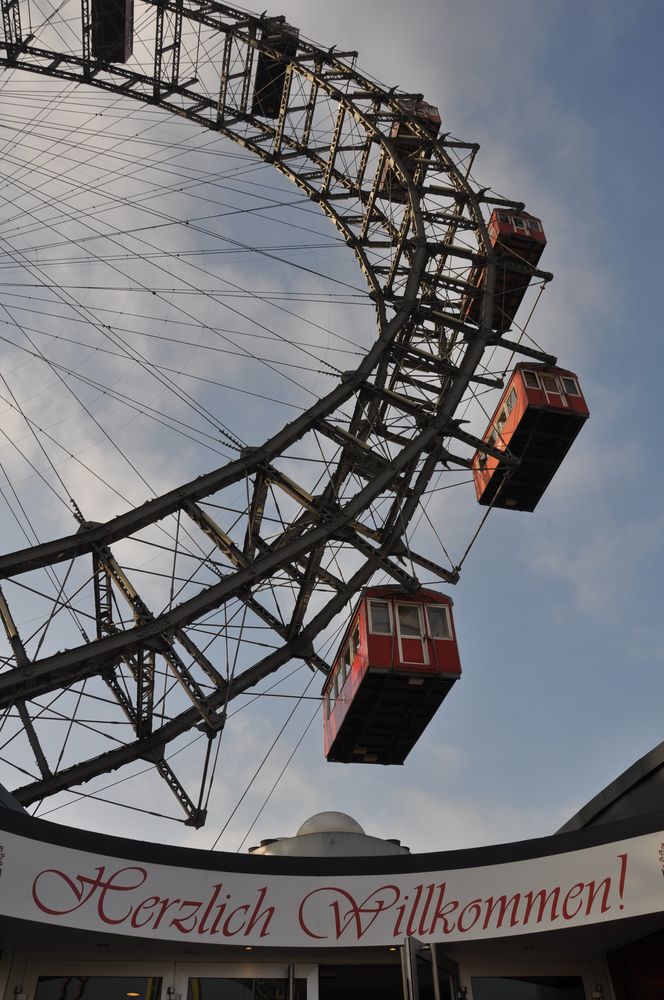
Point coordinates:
[(213, 969), (593, 972), (411, 949), (549, 396), (424, 662), (110, 967), (175, 975)]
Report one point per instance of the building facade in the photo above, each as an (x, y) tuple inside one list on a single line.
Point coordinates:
[(333, 913)]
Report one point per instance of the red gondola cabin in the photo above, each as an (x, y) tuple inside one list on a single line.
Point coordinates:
[(518, 239), (540, 413), (112, 30), (413, 149), (396, 663), (282, 39)]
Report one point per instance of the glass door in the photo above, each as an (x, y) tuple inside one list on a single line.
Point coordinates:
[(512, 978), (285, 987), (428, 974), (528, 988), (77, 979), (245, 981)]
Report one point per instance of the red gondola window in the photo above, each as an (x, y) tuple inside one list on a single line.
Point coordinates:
[(534, 225), (344, 667), (511, 400), (531, 380), (345, 662), (439, 621), (519, 223), (491, 441), (571, 386), (342, 672), (380, 618), (410, 624), (496, 433)]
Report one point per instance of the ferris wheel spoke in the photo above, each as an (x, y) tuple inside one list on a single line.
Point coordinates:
[(154, 743), (88, 659)]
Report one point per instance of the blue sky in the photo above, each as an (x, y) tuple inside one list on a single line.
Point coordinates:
[(557, 612)]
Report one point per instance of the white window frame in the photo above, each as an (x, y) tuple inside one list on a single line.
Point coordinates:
[(448, 617), (355, 644), (342, 672), (334, 688), (390, 615), (529, 371), (551, 392), (513, 396), (570, 378)]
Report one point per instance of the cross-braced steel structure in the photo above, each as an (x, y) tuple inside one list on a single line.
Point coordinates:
[(416, 224)]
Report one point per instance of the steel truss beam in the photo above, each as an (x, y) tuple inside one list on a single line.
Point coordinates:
[(11, 24), (168, 42)]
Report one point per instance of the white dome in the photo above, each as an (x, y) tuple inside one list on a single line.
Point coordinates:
[(330, 822)]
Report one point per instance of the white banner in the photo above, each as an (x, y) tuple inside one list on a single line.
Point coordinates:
[(66, 887)]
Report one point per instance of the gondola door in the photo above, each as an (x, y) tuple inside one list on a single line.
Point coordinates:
[(427, 973), (552, 390), (410, 629)]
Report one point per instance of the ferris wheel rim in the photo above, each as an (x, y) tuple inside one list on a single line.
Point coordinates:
[(417, 250)]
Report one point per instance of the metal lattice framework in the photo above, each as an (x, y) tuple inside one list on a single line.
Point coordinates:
[(416, 226)]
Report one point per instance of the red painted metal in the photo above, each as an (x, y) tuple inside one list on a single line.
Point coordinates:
[(518, 239), (396, 663), (537, 419)]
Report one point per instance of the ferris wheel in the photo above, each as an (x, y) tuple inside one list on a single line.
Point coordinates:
[(138, 628)]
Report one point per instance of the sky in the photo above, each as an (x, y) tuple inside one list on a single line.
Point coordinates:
[(556, 611)]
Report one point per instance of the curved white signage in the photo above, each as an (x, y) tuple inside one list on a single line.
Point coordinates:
[(73, 888)]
